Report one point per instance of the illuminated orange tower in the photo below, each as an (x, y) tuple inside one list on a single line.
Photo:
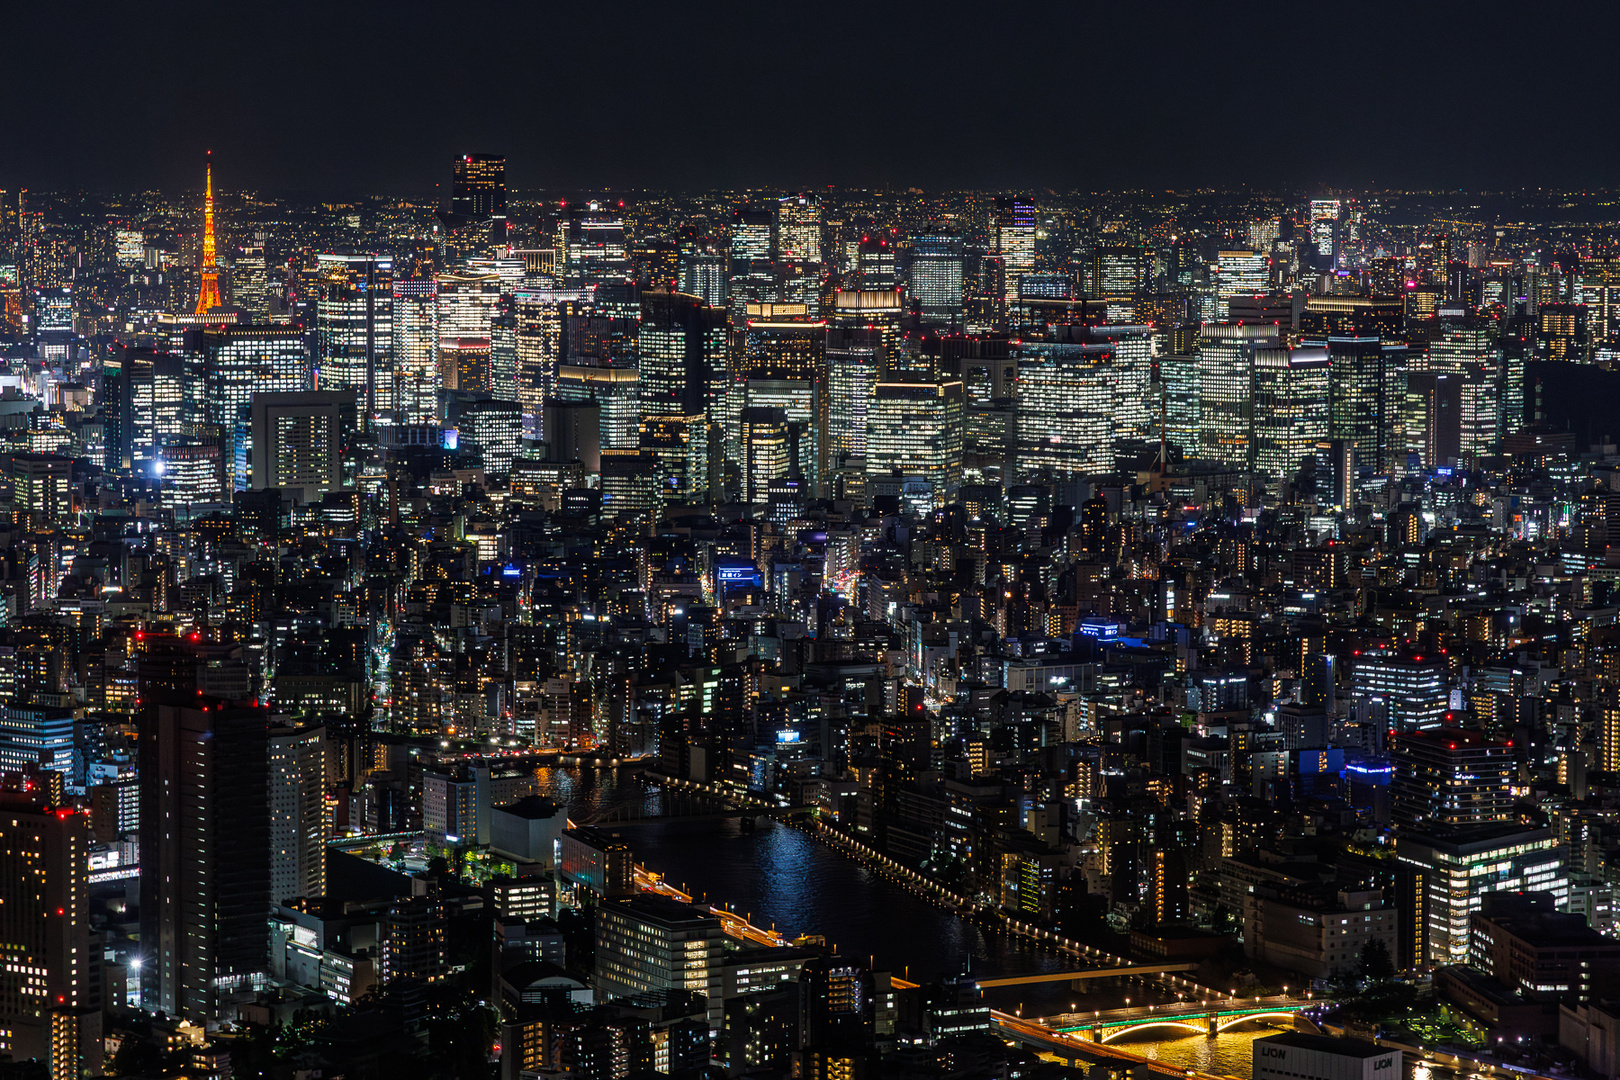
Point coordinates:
[(208, 296)]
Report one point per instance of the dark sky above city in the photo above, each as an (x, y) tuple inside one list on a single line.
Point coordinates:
[(340, 96)]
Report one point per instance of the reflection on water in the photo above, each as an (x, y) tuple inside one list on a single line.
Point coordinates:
[(781, 877), (1230, 1053)]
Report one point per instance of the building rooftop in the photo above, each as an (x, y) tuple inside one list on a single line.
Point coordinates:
[(1323, 1045)]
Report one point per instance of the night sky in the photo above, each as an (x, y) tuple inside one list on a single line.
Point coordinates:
[(342, 97)]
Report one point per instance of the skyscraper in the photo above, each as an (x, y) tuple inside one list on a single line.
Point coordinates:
[(915, 429), (298, 818), (1324, 238), (416, 351), (208, 295), (238, 362), (1290, 408), (1408, 693), (1240, 272), (205, 851), (935, 279), (1450, 776), (1065, 408), (542, 316), (46, 965), (1365, 394), (591, 246), (354, 328), (478, 192), (298, 441), (767, 450), (798, 229), (1226, 388), (1014, 241), (786, 368)]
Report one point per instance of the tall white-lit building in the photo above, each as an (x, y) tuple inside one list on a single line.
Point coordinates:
[(915, 429), (935, 279), (541, 332), (299, 823), (416, 351), (1290, 408), (1065, 408), (238, 362), (1014, 240), (1226, 388), (466, 311), (1136, 413), (1240, 272), (798, 229)]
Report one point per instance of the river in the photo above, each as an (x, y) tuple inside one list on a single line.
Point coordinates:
[(781, 877)]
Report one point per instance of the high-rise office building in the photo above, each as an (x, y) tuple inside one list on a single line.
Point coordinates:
[(1290, 408), (681, 349), (1065, 408), (250, 282), (240, 361), (786, 368), (935, 279), (592, 248), (1405, 693), (1118, 271), (1450, 776), (1240, 272), (46, 964), (205, 850), (493, 430), (416, 351), (1365, 391), (614, 386), (542, 317), (750, 237), (704, 274), (915, 429), (1471, 349), (299, 824), (1177, 403), (681, 446), (1136, 407), (155, 400), (855, 359), (1226, 354), (478, 192), (354, 328), (1443, 875), (1431, 417), (1324, 236), (299, 440), (466, 313), (1013, 241), (798, 229), (767, 450), (651, 943)]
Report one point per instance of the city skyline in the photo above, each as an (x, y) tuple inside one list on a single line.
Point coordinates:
[(806, 633)]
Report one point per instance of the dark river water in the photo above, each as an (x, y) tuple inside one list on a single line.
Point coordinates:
[(785, 878)]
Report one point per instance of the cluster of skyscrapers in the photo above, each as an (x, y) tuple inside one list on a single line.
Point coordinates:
[(1168, 571)]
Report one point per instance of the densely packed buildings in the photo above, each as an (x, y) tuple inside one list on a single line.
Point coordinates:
[(1177, 569)]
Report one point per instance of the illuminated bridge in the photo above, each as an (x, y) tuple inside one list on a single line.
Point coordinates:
[(1202, 1017)]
